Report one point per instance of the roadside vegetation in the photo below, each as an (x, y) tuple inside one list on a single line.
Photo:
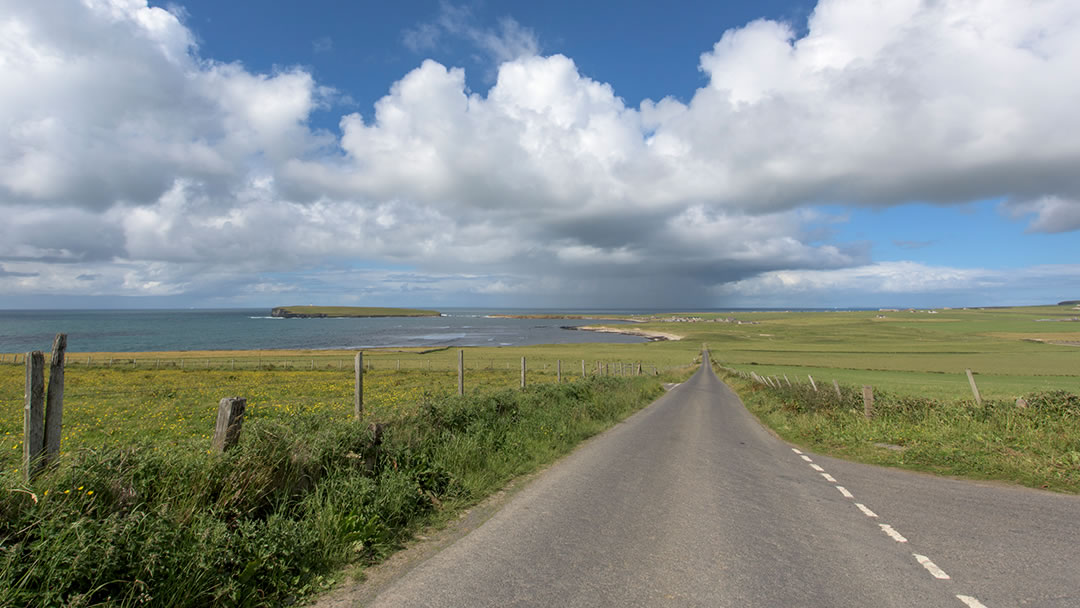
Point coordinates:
[(157, 519), (1036, 444)]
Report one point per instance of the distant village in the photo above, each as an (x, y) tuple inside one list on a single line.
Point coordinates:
[(655, 319)]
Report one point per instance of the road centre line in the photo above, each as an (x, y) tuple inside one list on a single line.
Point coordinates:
[(866, 512), (931, 567), (887, 529)]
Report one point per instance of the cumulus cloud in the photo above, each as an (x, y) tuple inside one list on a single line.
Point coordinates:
[(131, 164)]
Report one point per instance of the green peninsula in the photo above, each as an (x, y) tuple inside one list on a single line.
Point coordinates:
[(324, 312)]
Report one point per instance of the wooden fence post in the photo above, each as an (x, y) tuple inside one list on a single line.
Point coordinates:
[(836, 386), (54, 400), (34, 414), (523, 372), (558, 371), (974, 387), (812, 382), (786, 380), (358, 397), (230, 419), (460, 372), (582, 368), (868, 401)]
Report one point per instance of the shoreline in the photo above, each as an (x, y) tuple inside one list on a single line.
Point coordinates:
[(651, 334)]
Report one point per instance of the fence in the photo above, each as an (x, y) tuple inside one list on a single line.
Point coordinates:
[(42, 425), (867, 390)]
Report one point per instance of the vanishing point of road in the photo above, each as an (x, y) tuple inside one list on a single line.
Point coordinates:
[(691, 502)]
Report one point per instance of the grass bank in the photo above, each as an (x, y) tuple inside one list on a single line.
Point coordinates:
[(274, 518), (1036, 446)]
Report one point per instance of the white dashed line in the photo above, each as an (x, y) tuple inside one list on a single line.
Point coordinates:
[(844, 491), (816, 468), (931, 567), (866, 512), (806, 458), (970, 601), (893, 534), (796, 450), (829, 478)]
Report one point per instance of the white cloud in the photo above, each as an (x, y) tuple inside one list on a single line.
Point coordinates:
[(1053, 214), (127, 157), (905, 283), (509, 40)]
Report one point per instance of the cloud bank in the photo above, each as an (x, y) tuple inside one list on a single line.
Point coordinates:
[(132, 165)]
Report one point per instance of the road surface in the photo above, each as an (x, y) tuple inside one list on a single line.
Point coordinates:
[(690, 502)]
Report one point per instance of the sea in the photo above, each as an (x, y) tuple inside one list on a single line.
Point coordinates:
[(255, 329)]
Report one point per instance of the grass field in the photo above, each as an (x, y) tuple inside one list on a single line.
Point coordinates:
[(123, 398), (1011, 350)]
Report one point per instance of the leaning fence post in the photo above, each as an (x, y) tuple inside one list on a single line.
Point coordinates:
[(523, 372), (34, 414), (974, 387), (868, 401), (812, 382), (786, 380), (836, 386), (358, 397), (460, 372), (54, 399), (230, 418)]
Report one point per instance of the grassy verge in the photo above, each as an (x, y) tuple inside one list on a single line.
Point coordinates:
[(1037, 446), (272, 520)]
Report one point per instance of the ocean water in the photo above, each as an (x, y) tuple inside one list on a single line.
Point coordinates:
[(162, 330)]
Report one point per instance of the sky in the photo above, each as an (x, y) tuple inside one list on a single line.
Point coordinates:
[(683, 155)]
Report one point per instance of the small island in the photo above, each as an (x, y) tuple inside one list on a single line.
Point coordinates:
[(328, 312)]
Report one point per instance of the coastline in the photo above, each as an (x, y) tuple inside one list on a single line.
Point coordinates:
[(651, 334)]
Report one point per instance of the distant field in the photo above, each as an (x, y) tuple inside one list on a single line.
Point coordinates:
[(351, 311), (1011, 350)]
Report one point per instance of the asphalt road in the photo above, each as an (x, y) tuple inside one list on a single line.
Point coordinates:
[(691, 502)]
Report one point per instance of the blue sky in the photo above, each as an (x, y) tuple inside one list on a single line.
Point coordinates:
[(681, 154)]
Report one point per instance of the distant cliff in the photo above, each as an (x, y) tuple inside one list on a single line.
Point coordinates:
[(323, 312)]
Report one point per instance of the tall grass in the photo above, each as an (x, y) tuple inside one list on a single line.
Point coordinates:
[(1037, 445), (270, 521)]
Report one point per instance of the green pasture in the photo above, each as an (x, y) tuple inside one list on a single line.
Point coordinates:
[(1011, 350)]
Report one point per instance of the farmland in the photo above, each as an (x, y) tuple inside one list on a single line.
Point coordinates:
[(172, 396)]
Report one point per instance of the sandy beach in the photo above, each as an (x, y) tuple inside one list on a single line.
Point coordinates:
[(632, 331)]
